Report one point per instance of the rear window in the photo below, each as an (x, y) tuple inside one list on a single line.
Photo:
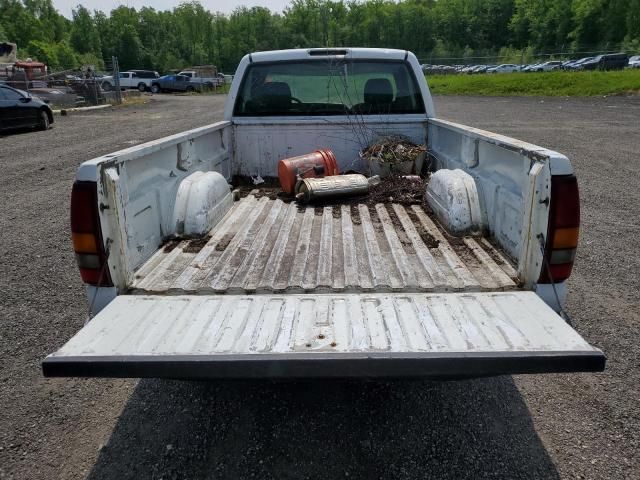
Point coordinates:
[(146, 74), (321, 87)]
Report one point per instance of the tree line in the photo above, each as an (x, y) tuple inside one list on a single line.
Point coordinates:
[(189, 34)]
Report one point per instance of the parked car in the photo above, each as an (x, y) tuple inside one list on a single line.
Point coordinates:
[(577, 64), (187, 281), (548, 66), (569, 64), (482, 68), (504, 68), (611, 61), (19, 109), (634, 62), (530, 68), (174, 83), (138, 79)]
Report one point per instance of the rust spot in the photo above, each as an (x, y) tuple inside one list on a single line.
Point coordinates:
[(373, 213), (195, 245), (465, 253), (224, 242), (321, 336), (491, 250), (170, 245), (308, 345), (400, 231), (429, 240), (333, 344), (355, 215)]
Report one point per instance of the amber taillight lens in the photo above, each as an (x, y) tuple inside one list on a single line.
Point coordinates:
[(563, 230), (87, 236)]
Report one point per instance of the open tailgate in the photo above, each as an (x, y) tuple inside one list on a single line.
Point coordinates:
[(327, 335)]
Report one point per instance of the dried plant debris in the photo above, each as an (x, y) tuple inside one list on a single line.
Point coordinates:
[(405, 190), (393, 149)]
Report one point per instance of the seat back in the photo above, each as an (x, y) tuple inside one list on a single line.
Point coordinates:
[(378, 91), (275, 96)]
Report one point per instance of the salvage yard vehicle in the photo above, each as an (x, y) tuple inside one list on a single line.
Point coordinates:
[(19, 109), (173, 83), (138, 79), (611, 61), (548, 66), (204, 76), (187, 279), (504, 68)]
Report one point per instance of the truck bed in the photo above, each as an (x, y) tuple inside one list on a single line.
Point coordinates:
[(267, 245)]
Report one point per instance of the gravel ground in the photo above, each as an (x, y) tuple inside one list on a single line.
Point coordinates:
[(554, 426)]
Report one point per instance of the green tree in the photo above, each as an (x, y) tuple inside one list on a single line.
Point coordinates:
[(84, 34), (633, 21), (129, 49), (189, 34), (44, 52)]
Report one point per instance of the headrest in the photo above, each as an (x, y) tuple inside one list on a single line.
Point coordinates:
[(377, 91), (276, 89)]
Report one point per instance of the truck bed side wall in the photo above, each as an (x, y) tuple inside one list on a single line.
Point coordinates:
[(139, 186), (513, 180)]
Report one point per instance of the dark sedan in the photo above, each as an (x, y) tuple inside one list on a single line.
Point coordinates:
[(18, 109)]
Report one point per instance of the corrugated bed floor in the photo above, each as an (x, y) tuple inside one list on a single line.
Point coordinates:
[(265, 245)]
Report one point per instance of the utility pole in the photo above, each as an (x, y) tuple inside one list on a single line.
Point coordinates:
[(116, 79)]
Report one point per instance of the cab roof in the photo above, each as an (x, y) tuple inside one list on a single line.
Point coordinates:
[(308, 53)]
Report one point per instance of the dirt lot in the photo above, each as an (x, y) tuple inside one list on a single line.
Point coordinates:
[(558, 426)]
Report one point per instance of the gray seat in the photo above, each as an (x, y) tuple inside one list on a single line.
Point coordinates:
[(274, 96), (378, 97)]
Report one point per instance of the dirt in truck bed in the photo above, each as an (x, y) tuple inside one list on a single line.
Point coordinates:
[(392, 189)]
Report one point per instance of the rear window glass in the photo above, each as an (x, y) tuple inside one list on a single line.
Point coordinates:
[(321, 87)]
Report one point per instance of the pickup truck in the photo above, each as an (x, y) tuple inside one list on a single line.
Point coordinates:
[(203, 78), (186, 278), (138, 79), (173, 83)]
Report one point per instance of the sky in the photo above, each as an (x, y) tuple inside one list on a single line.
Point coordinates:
[(225, 6)]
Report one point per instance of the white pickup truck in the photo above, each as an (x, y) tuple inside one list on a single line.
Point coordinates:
[(187, 280), (207, 78), (138, 79)]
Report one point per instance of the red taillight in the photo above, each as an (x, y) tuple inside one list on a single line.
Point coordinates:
[(86, 235), (563, 231)]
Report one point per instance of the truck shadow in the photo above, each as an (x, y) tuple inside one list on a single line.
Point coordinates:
[(362, 430)]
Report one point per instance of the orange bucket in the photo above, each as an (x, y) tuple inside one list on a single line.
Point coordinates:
[(321, 163)]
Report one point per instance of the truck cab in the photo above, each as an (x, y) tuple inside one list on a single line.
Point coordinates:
[(189, 277)]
